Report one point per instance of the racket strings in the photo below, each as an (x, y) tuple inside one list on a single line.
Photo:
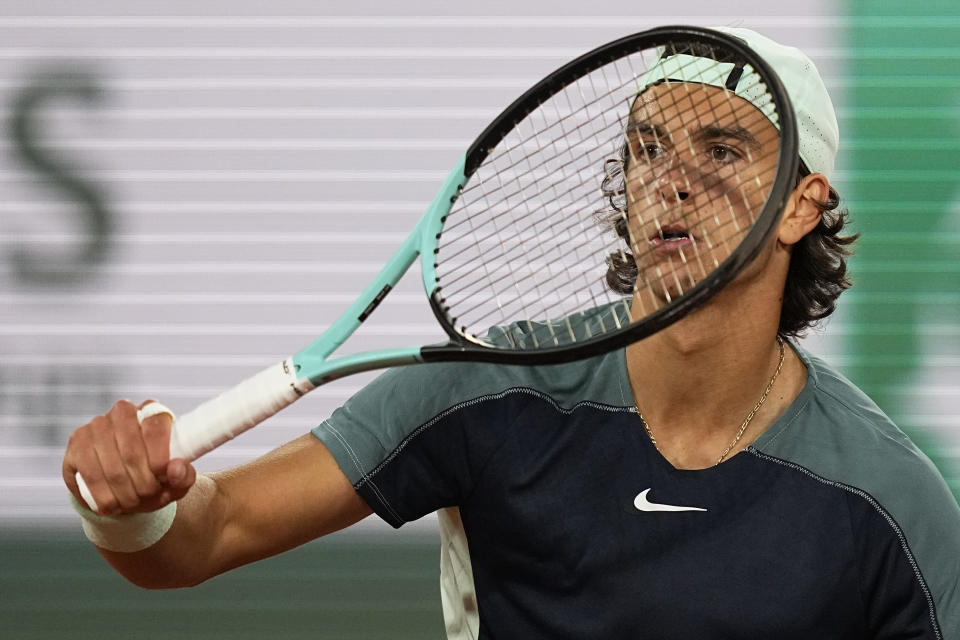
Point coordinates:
[(521, 234), (510, 193), (506, 272), (528, 228), (503, 248), (523, 244), (558, 120), (614, 184), (690, 269), (636, 248), (690, 264), (531, 140), (525, 306)]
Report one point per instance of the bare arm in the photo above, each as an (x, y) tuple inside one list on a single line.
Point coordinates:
[(288, 497)]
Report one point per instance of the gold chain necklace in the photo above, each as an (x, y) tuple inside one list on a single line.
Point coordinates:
[(746, 421)]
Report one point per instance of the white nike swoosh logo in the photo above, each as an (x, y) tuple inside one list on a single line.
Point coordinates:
[(641, 503)]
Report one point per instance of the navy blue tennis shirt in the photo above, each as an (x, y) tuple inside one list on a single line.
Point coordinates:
[(562, 520)]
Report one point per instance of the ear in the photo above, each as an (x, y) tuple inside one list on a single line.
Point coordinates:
[(801, 215)]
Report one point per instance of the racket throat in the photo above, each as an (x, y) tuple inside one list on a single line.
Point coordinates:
[(321, 371), (375, 302)]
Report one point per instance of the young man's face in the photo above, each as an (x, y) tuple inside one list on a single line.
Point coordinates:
[(700, 163)]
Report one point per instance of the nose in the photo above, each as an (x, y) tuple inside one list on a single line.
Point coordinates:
[(673, 180), (664, 179), (672, 194), (673, 184)]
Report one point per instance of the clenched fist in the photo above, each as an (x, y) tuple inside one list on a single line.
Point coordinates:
[(125, 462)]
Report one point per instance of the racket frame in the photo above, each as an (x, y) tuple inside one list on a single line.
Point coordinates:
[(312, 362), (462, 347)]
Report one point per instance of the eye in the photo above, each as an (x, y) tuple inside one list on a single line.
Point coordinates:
[(723, 155), (652, 150), (648, 151)]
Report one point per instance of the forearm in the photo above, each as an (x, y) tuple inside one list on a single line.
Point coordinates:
[(190, 551), (287, 497)]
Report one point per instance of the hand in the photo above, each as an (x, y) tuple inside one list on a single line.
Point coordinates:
[(126, 464)]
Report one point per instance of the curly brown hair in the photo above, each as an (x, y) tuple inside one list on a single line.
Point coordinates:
[(818, 264)]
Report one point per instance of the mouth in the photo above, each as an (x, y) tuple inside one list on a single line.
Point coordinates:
[(671, 239)]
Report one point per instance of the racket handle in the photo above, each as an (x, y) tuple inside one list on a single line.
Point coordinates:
[(229, 414)]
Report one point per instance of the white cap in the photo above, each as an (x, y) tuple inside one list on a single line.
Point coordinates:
[(817, 129)]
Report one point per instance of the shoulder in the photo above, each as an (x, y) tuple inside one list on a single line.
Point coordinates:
[(838, 436), (835, 428)]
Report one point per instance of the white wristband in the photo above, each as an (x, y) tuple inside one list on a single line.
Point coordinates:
[(127, 533)]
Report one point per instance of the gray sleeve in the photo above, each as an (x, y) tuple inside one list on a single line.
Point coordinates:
[(409, 441), (838, 433)]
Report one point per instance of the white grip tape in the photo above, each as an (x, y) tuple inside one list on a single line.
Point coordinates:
[(85, 492), (235, 410), (228, 415)]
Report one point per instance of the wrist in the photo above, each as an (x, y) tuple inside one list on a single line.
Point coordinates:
[(127, 533)]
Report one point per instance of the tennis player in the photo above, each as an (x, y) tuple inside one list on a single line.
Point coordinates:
[(711, 481)]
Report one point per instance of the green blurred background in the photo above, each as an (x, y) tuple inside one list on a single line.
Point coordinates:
[(903, 139)]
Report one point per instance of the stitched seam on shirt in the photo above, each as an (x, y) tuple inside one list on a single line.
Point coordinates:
[(356, 461), (853, 536), (879, 509), (623, 396), (367, 477)]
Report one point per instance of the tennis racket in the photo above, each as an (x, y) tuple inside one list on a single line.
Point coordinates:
[(607, 202)]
